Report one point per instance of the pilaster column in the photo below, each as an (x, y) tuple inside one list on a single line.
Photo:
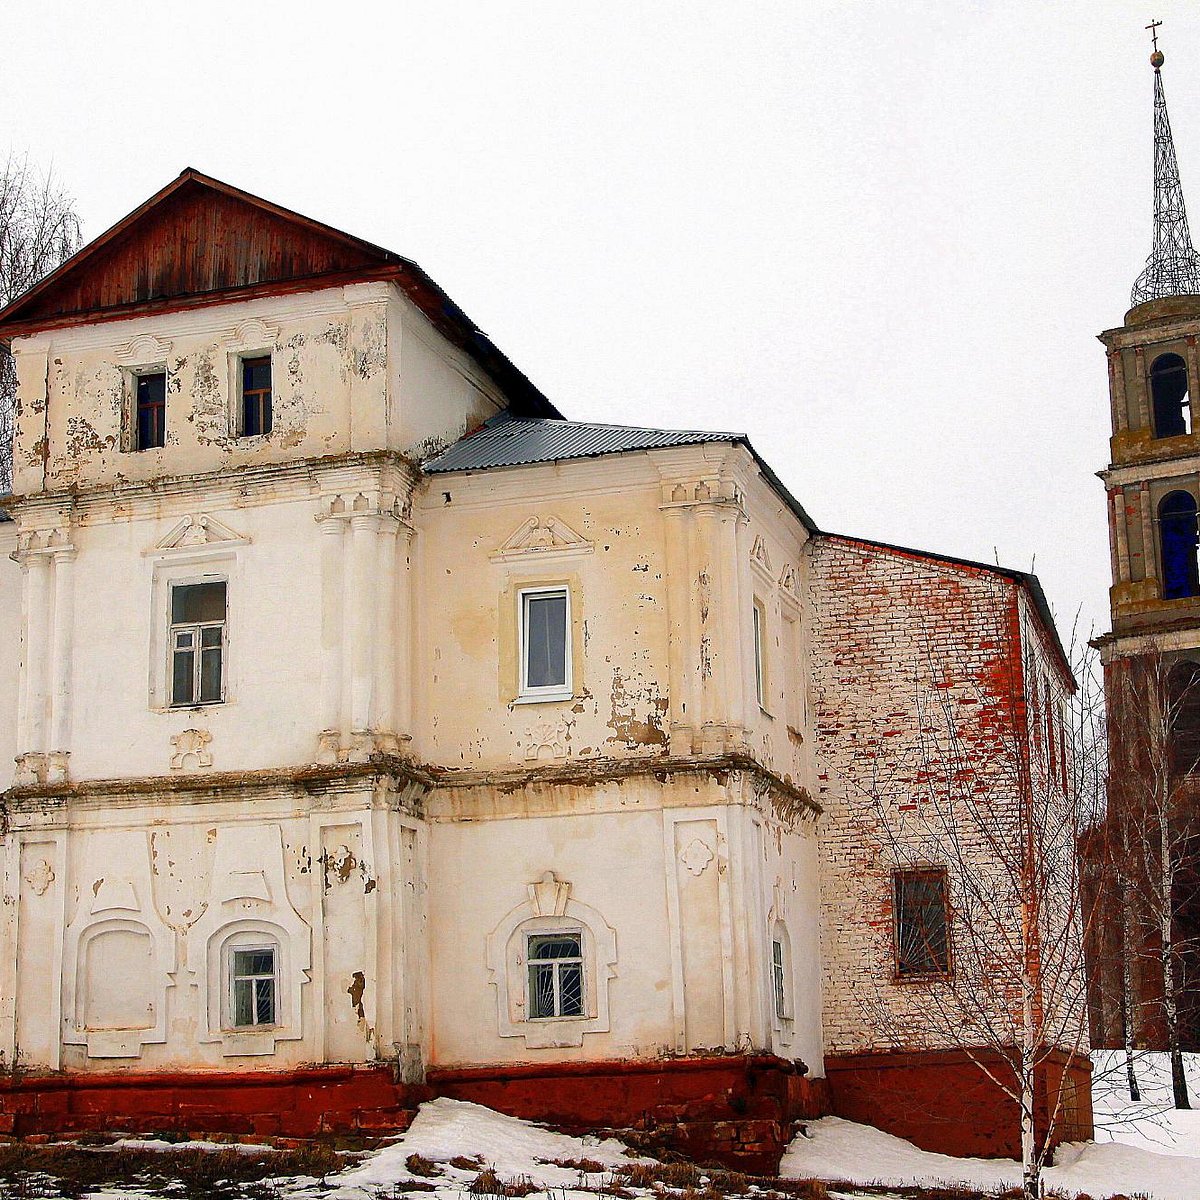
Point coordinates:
[(31, 749), (384, 687), (63, 662), (682, 648), (1116, 391), (1143, 402), (1118, 519), (1193, 367), (402, 677), (363, 550), (332, 527), (1149, 557)]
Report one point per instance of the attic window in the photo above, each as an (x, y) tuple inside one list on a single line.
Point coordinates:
[(150, 410)]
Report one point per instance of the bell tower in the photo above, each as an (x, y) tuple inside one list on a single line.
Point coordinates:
[(1145, 932)]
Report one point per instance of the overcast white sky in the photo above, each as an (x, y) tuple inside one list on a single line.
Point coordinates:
[(877, 237)]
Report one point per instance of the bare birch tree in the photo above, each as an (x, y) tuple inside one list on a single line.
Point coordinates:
[(1005, 821), (39, 229)]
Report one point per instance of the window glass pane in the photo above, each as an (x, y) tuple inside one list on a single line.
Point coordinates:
[(256, 374), (570, 989), (541, 989), (921, 924), (195, 602), (264, 1008), (546, 641), (254, 962), (185, 639), (243, 1002), (556, 946), (151, 410), (183, 667), (210, 675)]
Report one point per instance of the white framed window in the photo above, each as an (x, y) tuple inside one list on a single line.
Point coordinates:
[(781, 975), (544, 641), (255, 411), (196, 643), (760, 663), (777, 980), (253, 994), (555, 962)]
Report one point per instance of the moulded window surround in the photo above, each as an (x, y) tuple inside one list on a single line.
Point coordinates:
[(921, 924), (544, 643), (781, 972)]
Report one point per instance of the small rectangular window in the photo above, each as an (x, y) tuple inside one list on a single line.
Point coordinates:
[(252, 987), (777, 978), (150, 410), (197, 642), (921, 925), (256, 396), (760, 675), (545, 643), (555, 975)]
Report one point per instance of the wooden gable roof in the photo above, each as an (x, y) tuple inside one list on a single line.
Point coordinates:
[(200, 241)]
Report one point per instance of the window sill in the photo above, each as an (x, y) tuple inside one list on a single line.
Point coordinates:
[(545, 698), (924, 977)]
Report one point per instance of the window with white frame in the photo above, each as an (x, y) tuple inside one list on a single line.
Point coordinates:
[(197, 643), (760, 637), (555, 975), (777, 978), (253, 989), (256, 417), (545, 643)]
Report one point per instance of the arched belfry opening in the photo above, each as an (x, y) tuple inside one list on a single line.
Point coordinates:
[(1183, 700), (1169, 394), (1178, 545)]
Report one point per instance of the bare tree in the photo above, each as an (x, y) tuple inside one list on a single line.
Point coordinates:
[(999, 972), (1153, 836), (39, 229)]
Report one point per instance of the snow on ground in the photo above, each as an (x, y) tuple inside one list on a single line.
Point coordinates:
[(445, 1129), (1149, 1148)]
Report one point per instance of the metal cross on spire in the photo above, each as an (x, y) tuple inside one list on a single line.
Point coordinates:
[(1173, 268)]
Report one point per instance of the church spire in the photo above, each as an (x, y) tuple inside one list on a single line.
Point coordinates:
[(1173, 268)]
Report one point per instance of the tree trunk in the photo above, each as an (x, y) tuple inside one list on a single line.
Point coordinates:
[(1179, 1090), (1127, 997)]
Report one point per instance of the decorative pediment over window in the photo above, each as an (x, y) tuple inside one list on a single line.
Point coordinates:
[(199, 531), (759, 556), (142, 351), (253, 334), (789, 582), (542, 537)]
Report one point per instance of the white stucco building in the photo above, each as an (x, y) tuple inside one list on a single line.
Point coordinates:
[(373, 728)]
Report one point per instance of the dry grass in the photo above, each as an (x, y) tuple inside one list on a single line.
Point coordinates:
[(488, 1183), (31, 1172), (418, 1164)]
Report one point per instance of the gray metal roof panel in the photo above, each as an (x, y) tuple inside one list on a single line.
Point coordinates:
[(515, 442)]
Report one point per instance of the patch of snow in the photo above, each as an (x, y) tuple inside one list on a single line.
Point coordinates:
[(1151, 1123), (445, 1129)]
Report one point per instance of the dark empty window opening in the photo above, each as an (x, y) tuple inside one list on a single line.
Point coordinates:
[(256, 396), (1177, 538), (151, 403), (1183, 698), (922, 939), (197, 643), (1169, 392)]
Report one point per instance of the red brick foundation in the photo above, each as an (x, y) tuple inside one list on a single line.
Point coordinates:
[(943, 1101), (264, 1104), (737, 1111)]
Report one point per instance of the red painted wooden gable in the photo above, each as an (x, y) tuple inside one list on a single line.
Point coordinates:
[(195, 238)]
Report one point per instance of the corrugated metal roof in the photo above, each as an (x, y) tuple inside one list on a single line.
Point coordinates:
[(513, 442)]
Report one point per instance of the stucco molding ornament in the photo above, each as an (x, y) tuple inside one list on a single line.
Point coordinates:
[(198, 532), (760, 558), (191, 750), (550, 908), (695, 856), (145, 350), (253, 334), (789, 583), (542, 537), (40, 877)]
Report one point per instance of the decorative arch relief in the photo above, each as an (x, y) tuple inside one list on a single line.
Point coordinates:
[(143, 351), (542, 537), (550, 909), (118, 954)]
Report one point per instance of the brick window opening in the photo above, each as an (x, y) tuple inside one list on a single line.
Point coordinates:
[(1178, 545), (921, 924), (150, 417), (1183, 701), (256, 396), (1169, 393)]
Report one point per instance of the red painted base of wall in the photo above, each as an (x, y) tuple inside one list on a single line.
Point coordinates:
[(737, 1111), (943, 1101), (264, 1104)]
